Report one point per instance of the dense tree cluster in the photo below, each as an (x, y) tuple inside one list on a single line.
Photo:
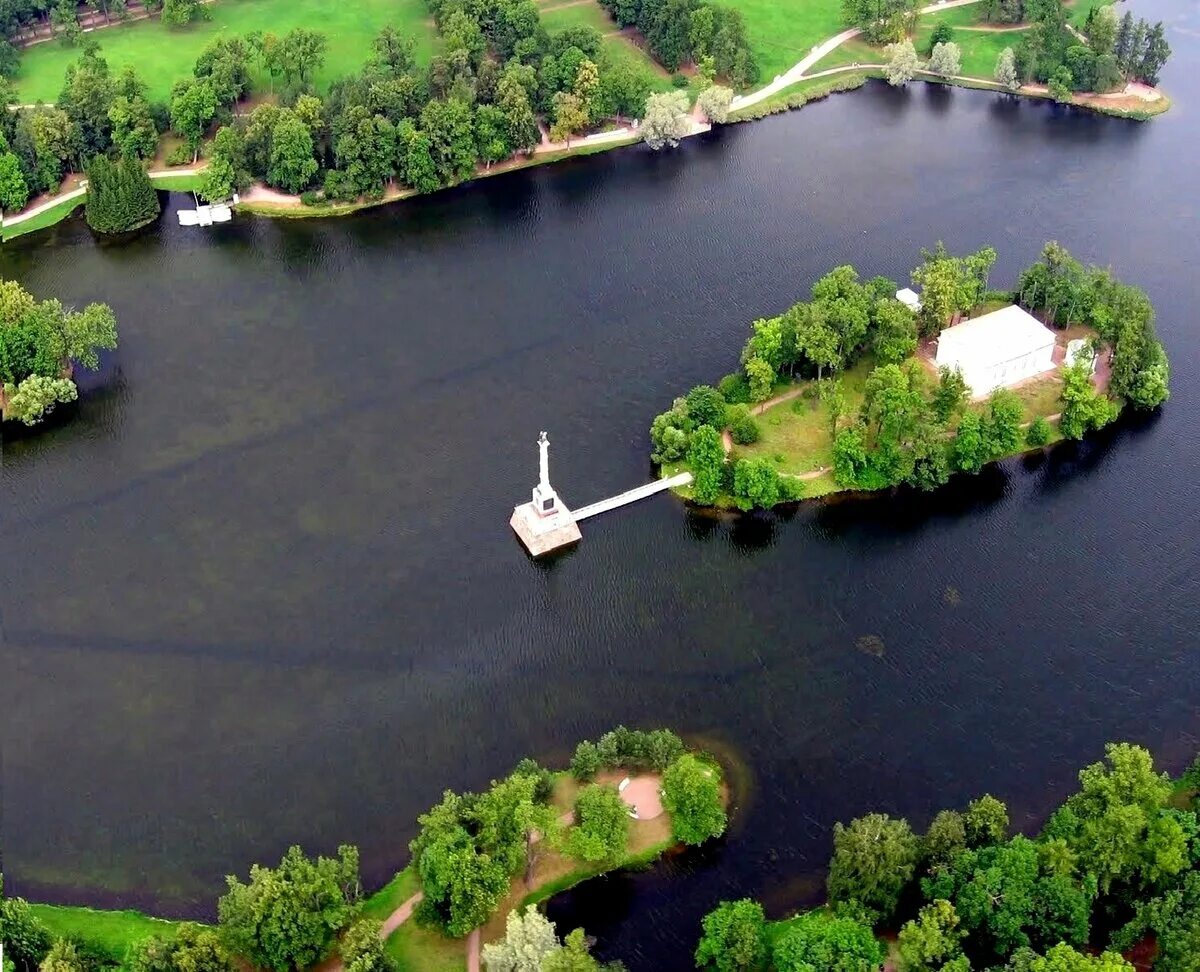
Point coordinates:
[(120, 196), (1112, 52), (1119, 860), (881, 21), (40, 342), (629, 749), (679, 31)]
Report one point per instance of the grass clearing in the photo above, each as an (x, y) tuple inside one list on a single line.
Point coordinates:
[(417, 949), (163, 54), (781, 32), (110, 933)]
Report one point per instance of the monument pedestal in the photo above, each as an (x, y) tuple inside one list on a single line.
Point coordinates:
[(541, 533)]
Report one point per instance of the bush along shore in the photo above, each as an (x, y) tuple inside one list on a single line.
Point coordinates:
[(481, 864), (1115, 869), (842, 391)]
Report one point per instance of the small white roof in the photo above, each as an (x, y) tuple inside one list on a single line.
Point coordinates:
[(909, 298), (998, 336)]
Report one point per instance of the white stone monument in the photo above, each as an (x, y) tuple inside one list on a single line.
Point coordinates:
[(544, 523)]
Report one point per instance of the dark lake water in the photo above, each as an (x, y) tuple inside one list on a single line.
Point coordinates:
[(262, 590)]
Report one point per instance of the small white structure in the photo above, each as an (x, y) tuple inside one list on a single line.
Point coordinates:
[(1078, 350), (544, 524), (997, 349), (205, 215), (908, 297)]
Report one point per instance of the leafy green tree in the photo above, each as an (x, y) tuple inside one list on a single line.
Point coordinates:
[(55, 140), (706, 406), (218, 180), (1006, 70), (193, 949), (945, 837), (850, 460), (743, 429), (874, 859), (134, 134), (670, 433), (816, 339), (1061, 84), (574, 956), (1174, 920), (362, 948), (932, 940), (1154, 54), (950, 394), (512, 98), (692, 796), (289, 916), (300, 54), (528, 941), (880, 20), (762, 379), (462, 885), (120, 196), (902, 63), (846, 303), (292, 164), (756, 484), (706, 457), (225, 62), (1002, 423), (1084, 409), (365, 147), (180, 13), (894, 337), (14, 192), (832, 944), (665, 119), (601, 830), (586, 761), (969, 451), (946, 59), (714, 101), (735, 937), (986, 821), (449, 126), (491, 134), (86, 97), (570, 117), (193, 107), (35, 397)]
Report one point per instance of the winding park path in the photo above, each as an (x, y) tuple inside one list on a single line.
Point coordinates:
[(797, 71)]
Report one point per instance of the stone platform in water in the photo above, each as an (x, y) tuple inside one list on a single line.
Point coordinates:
[(541, 534)]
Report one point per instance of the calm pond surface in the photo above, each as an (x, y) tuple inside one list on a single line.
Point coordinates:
[(262, 589)]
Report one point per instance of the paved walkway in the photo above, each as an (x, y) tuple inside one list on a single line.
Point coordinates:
[(797, 71)]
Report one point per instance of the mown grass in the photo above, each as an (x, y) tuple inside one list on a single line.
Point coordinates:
[(392, 895), (109, 933), (417, 949), (176, 183), (163, 54), (781, 32), (49, 217)]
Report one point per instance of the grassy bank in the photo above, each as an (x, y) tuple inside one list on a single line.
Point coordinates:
[(55, 214), (781, 32), (163, 55), (108, 933)]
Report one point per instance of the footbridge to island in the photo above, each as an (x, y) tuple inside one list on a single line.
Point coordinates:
[(544, 523)]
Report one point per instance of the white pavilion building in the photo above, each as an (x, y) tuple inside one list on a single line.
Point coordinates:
[(997, 349)]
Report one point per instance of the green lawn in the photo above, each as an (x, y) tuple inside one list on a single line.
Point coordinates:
[(108, 932), (162, 55), (418, 949), (581, 14), (393, 894), (48, 218), (781, 32)]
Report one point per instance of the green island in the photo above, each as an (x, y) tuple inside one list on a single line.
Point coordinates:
[(481, 864), (41, 344), (868, 387), (312, 108), (1115, 869)]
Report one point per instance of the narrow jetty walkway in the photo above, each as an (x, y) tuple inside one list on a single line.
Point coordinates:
[(632, 496)]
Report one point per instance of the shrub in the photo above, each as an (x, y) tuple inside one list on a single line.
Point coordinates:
[(26, 939), (363, 950), (545, 779), (120, 196), (679, 81), (735, 389), (179, 155), (791, 489), (743, 429), (706, 406), (692, 795), (829, 943), (194, 948), (311, 197), (1038, 433)]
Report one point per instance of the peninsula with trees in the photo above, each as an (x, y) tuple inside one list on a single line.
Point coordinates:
[(1115, 869), (306, 116), (41, 344), (866, 386), (481, 864)]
